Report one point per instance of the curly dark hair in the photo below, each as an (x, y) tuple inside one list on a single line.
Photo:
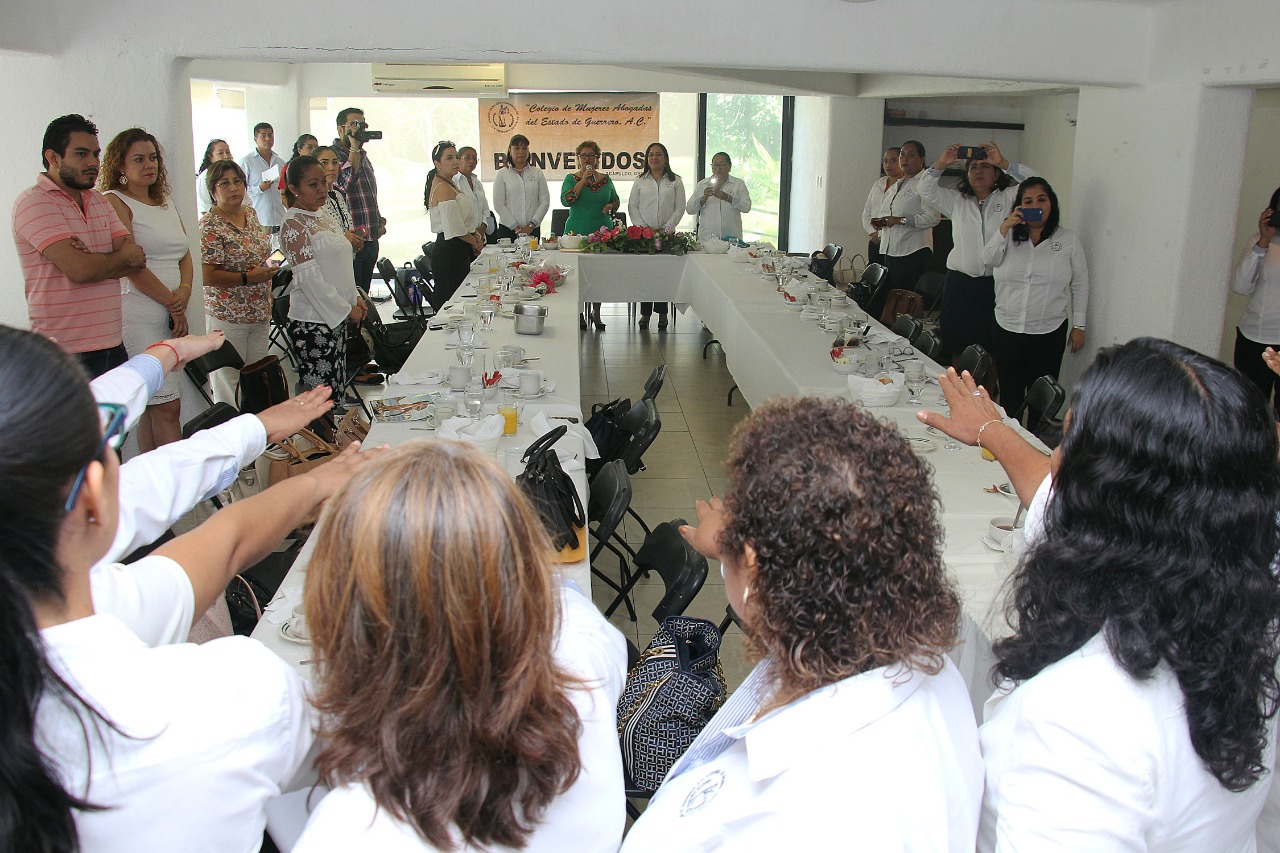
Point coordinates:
[(843, 518), (113, 163), (1161, 535)]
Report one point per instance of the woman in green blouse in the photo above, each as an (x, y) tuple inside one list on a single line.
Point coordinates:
[(592, 200)]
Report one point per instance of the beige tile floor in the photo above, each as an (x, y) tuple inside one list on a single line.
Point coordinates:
[(685, 461)]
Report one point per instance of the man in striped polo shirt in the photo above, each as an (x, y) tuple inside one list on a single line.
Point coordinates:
[(74, 249)]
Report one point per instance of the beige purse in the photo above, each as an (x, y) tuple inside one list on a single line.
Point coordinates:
[(298, 454), (352, 427)]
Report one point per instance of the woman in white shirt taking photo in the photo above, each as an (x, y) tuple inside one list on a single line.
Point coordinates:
[(1258, 277), (324, 294), (1042, 289), (890, 172), (520, 195), (720, 200), (656, 201)]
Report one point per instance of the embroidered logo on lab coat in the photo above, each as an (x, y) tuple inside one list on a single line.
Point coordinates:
[(999, 207), (703, 792), (1056, 246)]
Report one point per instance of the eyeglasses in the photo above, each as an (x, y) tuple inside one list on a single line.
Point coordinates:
[(113, 416)]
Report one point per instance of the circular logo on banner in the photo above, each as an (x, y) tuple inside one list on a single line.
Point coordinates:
[(503, 116), (703, 792), (1056, 246)]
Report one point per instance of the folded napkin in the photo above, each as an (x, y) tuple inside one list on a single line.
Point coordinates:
[(797, 290), (426, 377), (484, 432), (280, 610), (541, 424)]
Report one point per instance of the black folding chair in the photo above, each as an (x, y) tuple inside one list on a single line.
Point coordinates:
[(392, 343), (682, 569), (280, 284), (607, 504), (410, 296), (559, 217), (926, 343), (654, 383), (930, 286), (1044, 398), (833, 251), (976, 360), (199, 369), (908, 327), (218, 413)]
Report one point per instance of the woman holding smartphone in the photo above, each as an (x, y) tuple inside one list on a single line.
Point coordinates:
[(1042, 291), (1258, 277), (592, 200)]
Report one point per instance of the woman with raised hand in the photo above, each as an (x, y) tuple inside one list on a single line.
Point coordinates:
[(237, 280), (984, 197), (1042, 290), (216, 150), (491, 721), (592, 200), (656, 201), (720, 200), (854, 731), (154, 300), (454, 218), (323, 297), (110, 744), (1138, 691)]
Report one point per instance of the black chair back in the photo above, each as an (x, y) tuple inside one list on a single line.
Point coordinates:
[(872, 275), (559, 217), (393, 343), (833, 251), (682, 569), (926, 343), (198, 369), (654, 383), (607, 502), (908, 327), (1045, 398), (977, 361), (929, 285), (218, 413), (643, 424)]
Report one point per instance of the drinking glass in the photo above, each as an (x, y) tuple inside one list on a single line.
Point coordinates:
[(486, 316), (467, 333), (502, 360), (466, 354), (473, 399), (915, 384)]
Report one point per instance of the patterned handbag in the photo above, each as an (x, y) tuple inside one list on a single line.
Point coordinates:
[(671, 693)]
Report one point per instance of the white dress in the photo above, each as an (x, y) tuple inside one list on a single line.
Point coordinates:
[(588, 818), (158, 230)]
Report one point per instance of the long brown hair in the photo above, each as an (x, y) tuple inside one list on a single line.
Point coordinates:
[(432, 615), (113, 164)]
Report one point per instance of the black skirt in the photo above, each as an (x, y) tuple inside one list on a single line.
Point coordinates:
[(450, 264)]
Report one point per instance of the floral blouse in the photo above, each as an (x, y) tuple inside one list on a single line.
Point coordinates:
[(226, 246)]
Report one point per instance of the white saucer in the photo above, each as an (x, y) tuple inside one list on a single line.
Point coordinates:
[(520, 395), (991, 543), (287, 633), (922, 445)]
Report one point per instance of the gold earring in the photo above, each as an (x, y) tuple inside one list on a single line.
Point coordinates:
[(746, 593), (123, 180)]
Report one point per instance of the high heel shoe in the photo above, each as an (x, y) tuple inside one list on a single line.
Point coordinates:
[(644, 321), (596, 324), (582, 321)]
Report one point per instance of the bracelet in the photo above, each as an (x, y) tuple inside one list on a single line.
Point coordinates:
[(984, 426), (184, 284), (177, 359)]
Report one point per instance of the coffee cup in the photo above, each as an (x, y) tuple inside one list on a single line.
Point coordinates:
[(298, 623), (459, 376), (530, 382), (1001, 530), (517, 352)]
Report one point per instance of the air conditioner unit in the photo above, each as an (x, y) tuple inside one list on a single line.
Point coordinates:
[(466, 81)]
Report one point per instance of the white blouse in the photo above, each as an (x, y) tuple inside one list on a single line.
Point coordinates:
[(324, 282), (204, 201), (903, 199), (871, 209), (719, 217), (456, 217), (656, 204), (521, 200), (474, 188), (1259, 277), (1037, 287), (972, 223)]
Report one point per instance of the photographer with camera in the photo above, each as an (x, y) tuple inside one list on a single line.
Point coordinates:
[(357, 180), (1258, 277)]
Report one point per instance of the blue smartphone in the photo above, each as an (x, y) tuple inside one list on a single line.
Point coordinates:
[(1031, 214)]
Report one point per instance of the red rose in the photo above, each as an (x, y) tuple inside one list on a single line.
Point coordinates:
[(634, 232), (648, 233)]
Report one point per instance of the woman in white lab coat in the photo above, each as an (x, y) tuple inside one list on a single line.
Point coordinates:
[(854, 732), (1138, 695), (656, 201)]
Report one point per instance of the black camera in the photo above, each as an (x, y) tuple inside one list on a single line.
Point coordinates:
[(364, 134)]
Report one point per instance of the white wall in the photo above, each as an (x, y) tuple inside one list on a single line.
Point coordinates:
[(1048, 144), (808, 185)]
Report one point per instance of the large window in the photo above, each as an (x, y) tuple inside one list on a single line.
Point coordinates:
[(752, 130)]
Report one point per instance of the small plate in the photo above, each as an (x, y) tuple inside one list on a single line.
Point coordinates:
[(520, 395), (922, 445), (991, 543), (287, 633)]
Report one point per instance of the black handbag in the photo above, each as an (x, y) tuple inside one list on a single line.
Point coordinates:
[(671, 694), (609, 438), (262, 385), (552, 492)]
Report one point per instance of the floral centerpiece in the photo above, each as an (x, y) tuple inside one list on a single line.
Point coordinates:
[(541, 276), (638, 240)]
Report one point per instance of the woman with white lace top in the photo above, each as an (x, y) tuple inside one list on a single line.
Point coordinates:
[(324, 295), (455, 220)]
